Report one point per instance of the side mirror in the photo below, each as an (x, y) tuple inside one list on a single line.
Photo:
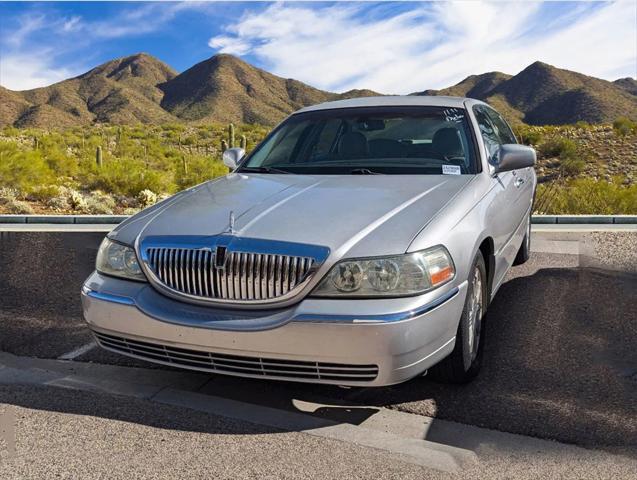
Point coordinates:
[(232, 156), (512, 156)]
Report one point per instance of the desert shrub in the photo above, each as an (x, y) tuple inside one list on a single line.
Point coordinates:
[(59, 203), (17, 207), (127, 176), (624, 126), (44, 192), (198, 169), (60, 162), (100, 203), (528, 135), (146, 198), (131, 211), (76, 201), (7, 193), (558, 147), (23, 170), (10, 131), (587, 196), (573, 166)]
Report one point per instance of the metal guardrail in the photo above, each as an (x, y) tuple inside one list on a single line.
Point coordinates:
[(115, 219)]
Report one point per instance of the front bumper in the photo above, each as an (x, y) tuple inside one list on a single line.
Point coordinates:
[(345, 342)]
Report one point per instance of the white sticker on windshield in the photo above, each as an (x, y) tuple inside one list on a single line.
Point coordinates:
[(451, 169)]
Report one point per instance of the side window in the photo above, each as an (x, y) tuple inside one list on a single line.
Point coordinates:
[(487, 130), (504, 132)]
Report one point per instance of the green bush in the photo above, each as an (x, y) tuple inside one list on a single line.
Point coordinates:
[(528, 135), (563, 148), (128, 176), (23, 170), (198, 169), (624, 126), (587, 196)]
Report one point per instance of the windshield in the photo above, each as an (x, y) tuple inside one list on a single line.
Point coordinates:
[(370, 140)]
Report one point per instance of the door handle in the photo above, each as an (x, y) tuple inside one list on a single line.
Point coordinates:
[(518, 182)]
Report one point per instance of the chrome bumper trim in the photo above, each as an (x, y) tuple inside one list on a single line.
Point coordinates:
[(318, 318), (383, 318), (107, 297)]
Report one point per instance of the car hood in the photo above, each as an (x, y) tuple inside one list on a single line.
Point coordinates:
[(352, 215)]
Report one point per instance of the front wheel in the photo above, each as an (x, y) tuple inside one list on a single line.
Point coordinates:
[(464, 362)]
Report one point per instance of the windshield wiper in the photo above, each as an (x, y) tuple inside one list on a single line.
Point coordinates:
[(364, 171), (263, 170)]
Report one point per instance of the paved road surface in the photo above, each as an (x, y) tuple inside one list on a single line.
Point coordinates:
[(560, 364)]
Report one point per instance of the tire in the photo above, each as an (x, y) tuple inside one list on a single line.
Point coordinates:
[(464, 362), (525, 249)]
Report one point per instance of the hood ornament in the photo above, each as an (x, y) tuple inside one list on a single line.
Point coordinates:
[(231, 229)]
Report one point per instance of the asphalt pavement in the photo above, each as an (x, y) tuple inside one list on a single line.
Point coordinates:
[(560, 364)]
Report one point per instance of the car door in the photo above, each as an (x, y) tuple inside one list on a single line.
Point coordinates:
[(507, 206)]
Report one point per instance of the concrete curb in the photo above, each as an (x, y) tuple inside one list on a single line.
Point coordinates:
[(181, 389), (115, 219)]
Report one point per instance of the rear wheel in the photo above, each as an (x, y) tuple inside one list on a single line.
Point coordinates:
[(464, 362), (525, 249)]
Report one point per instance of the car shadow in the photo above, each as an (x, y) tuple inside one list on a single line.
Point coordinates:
[(560, 363)]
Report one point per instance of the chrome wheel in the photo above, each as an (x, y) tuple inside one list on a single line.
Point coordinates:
[(475, 314)]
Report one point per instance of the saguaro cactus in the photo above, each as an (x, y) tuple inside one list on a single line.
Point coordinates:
[(98, 156), (231, 135), (230, 141)]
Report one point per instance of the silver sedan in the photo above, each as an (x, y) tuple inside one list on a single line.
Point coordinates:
[(359, 244)]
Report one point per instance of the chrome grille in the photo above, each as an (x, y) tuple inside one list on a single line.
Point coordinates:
[(239, 365), (242, 276)]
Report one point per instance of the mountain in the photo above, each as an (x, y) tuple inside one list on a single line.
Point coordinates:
[(628, 84), (142, 89), (120, 91), (227, 89), (474, 86), (542, 94)]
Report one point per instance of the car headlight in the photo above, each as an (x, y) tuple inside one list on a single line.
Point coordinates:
[(401, 275), (118, 260)]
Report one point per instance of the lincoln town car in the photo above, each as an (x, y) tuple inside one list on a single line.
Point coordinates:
[(360, 243)]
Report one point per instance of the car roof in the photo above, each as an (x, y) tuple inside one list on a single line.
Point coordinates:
[(392, 101)]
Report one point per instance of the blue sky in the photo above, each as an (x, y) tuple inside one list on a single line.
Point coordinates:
[(391, 47)]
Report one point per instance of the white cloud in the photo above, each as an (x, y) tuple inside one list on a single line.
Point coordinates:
[(72, 24), (231, 45), (433, 45), (23, 72)]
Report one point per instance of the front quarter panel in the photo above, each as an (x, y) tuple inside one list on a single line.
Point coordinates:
[(461, 226)]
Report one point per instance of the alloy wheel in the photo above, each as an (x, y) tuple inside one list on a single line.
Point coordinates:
[(475, 314)]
